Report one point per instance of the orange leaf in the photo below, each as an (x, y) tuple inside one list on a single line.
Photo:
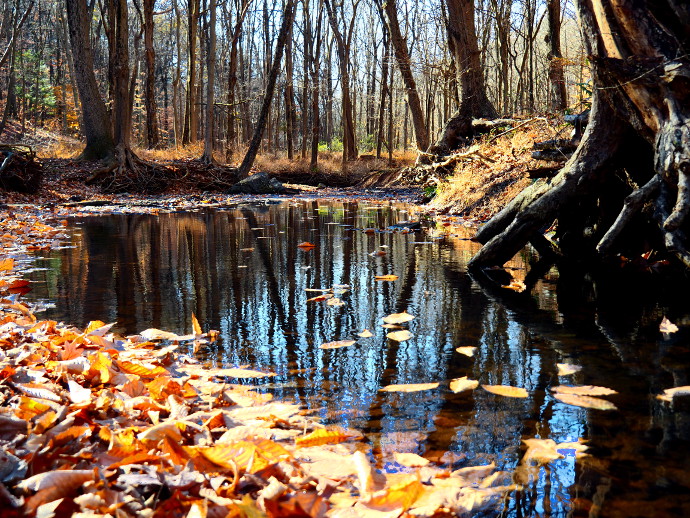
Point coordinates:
[(401, 495), (386, 278), (6, 264), (73, 432), (322, 436), (319, 298), (142, 370), (251, 455), (306, 245), (506, 390), (195, 325), (18, 284)]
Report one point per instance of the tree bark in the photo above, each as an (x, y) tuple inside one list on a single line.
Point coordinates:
[(96, 119), (152, 136), (641, 77), (191, 121), (403, 59), (288, 17), (559, 96), (210, 84)]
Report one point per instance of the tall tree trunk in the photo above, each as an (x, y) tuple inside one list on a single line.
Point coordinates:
[(403, 59), (559, 98), (96, 119), (385, 62), (290, 117), (191, 121), (343, 50), (315, 62), (288, 17), (122, 120), (232, 80), (152, 137), (637, 140), (210, 85)]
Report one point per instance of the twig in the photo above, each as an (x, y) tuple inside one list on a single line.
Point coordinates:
[(516, 127)]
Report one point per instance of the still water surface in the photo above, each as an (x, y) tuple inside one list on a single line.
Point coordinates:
[(241, 272)]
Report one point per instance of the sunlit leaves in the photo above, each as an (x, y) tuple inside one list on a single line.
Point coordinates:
[(584, 401), (337, 344), (400, 336), (463, 384), (409, 387), (467, 351), (322, 436), (6, 264), (583, 390), (506, 390), (398, 318), (516, 285)]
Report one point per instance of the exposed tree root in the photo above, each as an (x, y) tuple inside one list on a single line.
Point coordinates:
[(19, 169), (126, 172)]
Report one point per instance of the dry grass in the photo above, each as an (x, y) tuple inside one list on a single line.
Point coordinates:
[(479, 189)]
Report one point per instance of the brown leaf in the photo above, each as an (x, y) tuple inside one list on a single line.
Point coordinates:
[(398, 318)]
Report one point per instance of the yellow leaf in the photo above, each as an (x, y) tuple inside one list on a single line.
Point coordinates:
[(323, 436), (399, 496), (667, 326), (409, 387), (462, 384), (365, 334), (669, 394), (584, 390), (411, 460), (337, 344), (585, 401), (515, 285), (400, 336), (251, 455), (93, 325), (467, 351), (398, 318), (195, 325), (505, 390), (143, 371), (386, 278)]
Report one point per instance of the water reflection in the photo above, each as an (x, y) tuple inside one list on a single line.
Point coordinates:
[(241, 272)]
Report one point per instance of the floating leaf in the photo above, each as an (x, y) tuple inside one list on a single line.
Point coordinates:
[(669, 394), (584, 390), (400, 336), (516, 285), (306, 245), (462, 384), (337, 344), (506, 390), (365, 334), (335, 302), (398, 318), (395, 498), (585, 401), (411, 460), (240, 373), (667, 326), (157, 334), (467, 351), (409, 387), (319, 298), (386, 278), (323, 436), (6, 264), (566, 369)]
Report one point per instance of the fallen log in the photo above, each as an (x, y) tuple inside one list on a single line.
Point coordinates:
[(19, 169)]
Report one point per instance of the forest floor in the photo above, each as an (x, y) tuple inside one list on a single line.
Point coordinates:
[(475, 187)]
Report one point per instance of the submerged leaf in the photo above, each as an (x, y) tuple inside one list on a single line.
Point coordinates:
[(337, 344), (506, 390), (400, 336), (409, 387), (585, 401), (462, 384), (398, 318)]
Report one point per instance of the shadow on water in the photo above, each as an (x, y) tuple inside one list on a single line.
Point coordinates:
[(240, 270)]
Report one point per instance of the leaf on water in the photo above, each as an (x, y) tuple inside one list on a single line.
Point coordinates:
[(323, 436), (410, 460), (386, 278), (585, 401), (337, 344), (395, 498), (516, 285), (667, 326), (157, 334), (584, 390), (462, 384), (365, 334), (240, 373), (6, 264), (306, 245), (319, 298), (400, 336), (506, 390), (246, 249), (78, 394), (195, 326), (398, 318), (335, 302), (566, 369), (669, 394), (541, 451), (391, 326), (409, 387), (467, 351)]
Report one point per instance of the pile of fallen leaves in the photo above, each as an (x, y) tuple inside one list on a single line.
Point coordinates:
[(104, 425)]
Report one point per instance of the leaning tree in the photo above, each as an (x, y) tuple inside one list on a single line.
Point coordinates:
[(626, 189)]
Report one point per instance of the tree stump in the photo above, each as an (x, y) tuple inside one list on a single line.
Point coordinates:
[(19, 169)]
